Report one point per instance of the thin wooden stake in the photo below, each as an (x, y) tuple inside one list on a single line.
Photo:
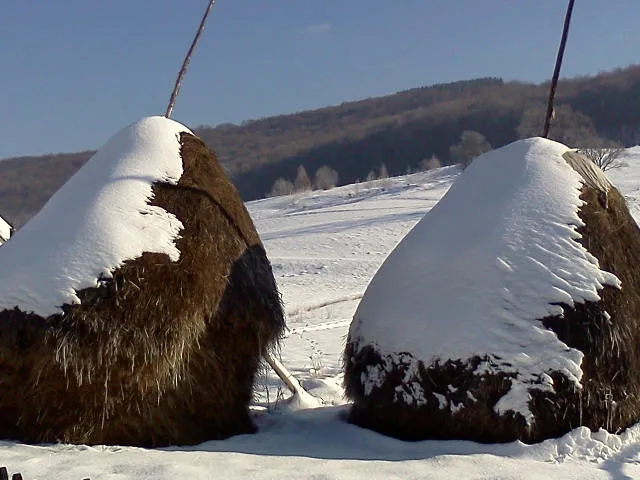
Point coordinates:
[(287, 378), (187, 59), (556, 71)]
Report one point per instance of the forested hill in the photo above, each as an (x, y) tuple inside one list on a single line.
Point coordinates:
[(399, 130)]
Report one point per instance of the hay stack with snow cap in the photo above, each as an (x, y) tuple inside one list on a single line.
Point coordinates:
[(135, 307), (510, 311)]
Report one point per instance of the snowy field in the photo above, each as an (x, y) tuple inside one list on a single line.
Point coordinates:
[(325, 247)]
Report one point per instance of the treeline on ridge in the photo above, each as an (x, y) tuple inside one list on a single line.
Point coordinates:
[(400, 131)]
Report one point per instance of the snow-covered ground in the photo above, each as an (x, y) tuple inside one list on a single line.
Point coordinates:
[(325, 247)]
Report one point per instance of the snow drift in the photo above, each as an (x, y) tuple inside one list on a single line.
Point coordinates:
[(135, 307), (509, 311)]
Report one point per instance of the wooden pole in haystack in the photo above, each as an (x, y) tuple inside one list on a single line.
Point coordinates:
[(556, 71), (288, 379), (187, 59), (285, 375)]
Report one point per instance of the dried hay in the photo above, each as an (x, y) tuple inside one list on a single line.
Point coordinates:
[(164, 352), (607, 332)]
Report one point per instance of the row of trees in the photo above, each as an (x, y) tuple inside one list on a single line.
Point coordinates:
[(574, 129), (604, 154), (323, 179), (471, 145), (403, 130)]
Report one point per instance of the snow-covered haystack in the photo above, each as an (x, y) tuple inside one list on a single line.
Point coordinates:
[(135, 307), (511, 311)]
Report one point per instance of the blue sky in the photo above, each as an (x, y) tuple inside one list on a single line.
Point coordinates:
[(76, 71)]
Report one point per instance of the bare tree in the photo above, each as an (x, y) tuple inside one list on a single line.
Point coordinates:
[(607, 158), (281, 187), (302, 183), (325, 178)]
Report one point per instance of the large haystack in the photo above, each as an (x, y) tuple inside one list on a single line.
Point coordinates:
[(162, 348), (511, 311)]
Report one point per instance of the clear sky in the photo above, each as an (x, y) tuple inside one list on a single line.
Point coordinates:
[(76, 71)]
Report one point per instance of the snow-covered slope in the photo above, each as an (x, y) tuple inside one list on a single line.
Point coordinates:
[(325, 247)]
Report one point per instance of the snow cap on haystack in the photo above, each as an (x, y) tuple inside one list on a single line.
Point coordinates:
[(493, 318), (136, 306), (99, 219), (5, 230)]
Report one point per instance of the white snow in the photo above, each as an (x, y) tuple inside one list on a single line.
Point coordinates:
[(477, 272), (97, 220), (325, 247), (5, 230)]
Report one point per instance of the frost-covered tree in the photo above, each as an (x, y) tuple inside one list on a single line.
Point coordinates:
[(281, 187), (471, 145), (325, 178), (302, 183), (568, 126), (430, 163)]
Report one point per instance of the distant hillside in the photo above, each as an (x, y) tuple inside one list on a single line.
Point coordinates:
[(398, 130)]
